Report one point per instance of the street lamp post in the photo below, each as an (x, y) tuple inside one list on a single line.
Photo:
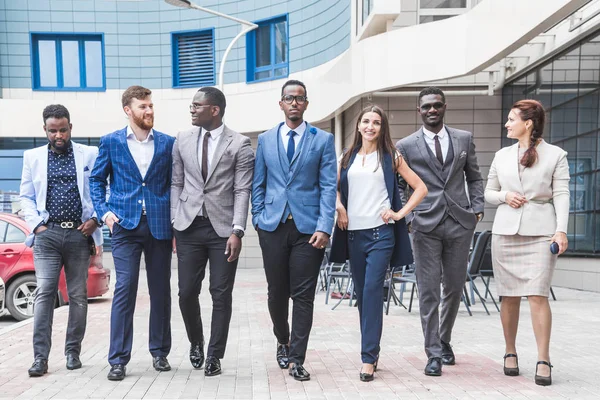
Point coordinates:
[(247, 27)]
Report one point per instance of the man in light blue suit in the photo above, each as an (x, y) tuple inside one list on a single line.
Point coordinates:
[(293, 205), (55, 199), (137, 160)]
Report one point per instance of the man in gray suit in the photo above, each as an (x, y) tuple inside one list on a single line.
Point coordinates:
[(444, 222), (210, 193)]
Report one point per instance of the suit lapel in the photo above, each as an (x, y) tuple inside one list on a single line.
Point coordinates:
[(277, 146), (456, 149), (224, 142), (123, 139), (193, 146), (79, 165), (158, 143), (425, 154), (309, 135), (513, 163), (43, 169)]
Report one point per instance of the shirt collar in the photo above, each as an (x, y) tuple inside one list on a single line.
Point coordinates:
[(130, 134), (299, 130), (214, 134), (68, 153), (442, 134)]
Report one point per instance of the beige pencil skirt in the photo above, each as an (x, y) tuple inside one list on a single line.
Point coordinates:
[(523, 265)]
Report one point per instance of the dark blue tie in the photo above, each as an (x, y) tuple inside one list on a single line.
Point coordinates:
[(291, 146)]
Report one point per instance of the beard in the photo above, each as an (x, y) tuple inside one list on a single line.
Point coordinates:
[(61, 148), (146, 124)]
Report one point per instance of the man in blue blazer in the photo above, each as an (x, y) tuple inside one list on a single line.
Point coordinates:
[(137, 161), (293, 205)]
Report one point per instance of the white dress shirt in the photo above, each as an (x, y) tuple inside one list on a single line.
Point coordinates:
[(213, 140), (283, 132), (142, 153), (444, 140)]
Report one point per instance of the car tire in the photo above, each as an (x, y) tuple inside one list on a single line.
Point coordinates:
[(19, 297)]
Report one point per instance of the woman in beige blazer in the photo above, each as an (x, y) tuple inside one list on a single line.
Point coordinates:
[(529, 182)]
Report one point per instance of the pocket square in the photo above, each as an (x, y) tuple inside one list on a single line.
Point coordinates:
[(86, 168), (463, 154)]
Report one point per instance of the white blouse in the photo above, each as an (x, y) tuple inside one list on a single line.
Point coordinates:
[(367, 193)]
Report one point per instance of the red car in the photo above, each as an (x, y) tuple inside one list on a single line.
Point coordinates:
[(18, 273)]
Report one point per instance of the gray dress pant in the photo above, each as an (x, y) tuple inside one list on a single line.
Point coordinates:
[(441, 256), (54, 248)]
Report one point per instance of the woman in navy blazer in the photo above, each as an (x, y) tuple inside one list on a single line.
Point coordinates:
[(370, 230)]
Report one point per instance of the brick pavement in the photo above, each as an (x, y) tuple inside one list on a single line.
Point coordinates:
[(250, 370)]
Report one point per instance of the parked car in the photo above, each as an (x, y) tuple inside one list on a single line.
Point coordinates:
[(2, 289), (18, 273)]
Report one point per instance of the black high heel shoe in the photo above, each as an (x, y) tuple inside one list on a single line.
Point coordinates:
[(511, 371), (543, 380)]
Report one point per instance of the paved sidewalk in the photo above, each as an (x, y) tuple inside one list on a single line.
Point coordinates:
[(250, 370)]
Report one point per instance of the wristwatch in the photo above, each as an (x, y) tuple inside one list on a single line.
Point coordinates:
[(238, 232), (96, 221)]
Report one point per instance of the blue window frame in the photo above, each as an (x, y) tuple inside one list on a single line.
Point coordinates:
[(68, 61), (267, 50), (193, 58)]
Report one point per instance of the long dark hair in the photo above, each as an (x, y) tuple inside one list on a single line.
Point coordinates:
[(533, 110), (384, 141)]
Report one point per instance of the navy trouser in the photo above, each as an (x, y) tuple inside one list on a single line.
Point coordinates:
[(370, 254), (127, 247)]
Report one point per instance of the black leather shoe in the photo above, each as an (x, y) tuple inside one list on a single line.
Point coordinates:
[(543, 380), (117, 372), (434, 367), (447, 354), (511, 371), (283, 354), (161, 364), (38, 368), (73, 361), (299, 373), (197, 355), (213, 366)]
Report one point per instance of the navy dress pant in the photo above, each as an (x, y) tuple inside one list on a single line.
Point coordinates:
[(127, 248), (370, 253)]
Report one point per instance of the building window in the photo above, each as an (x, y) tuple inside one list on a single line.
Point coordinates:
[(70, 62), (267, 50), (568, 85), (367, 7), (193, 58), (437, 10)]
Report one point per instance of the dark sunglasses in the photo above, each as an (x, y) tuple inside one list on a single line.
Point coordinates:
[(437, 106)]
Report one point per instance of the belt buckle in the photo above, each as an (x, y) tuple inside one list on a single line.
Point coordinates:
[(290, 216), (67, 225), (143, 211)]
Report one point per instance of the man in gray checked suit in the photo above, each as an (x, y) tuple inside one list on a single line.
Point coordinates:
[(210, 192), (444, 222)]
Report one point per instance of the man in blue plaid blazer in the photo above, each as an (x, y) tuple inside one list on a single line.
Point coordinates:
[(137, 162)]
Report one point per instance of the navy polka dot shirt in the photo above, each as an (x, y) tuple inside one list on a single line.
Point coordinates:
[(63, 202)]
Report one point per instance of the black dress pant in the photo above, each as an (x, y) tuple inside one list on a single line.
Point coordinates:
[(196, 246), (291, 267)]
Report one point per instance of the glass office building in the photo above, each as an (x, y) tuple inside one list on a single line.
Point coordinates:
[(569, 87)]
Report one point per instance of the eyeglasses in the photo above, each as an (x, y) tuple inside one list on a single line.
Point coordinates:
[(289, 99), (194, 107), (437, 106)]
